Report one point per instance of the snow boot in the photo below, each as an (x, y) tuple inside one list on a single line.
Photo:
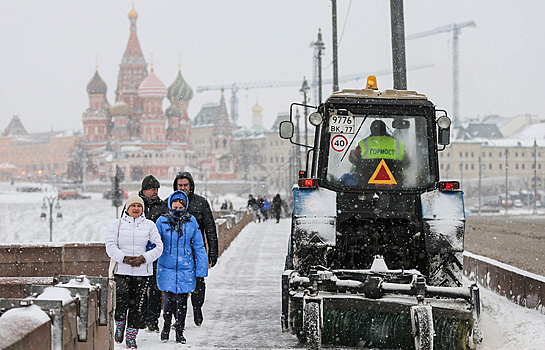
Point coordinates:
[(180, 336), (165, 333), (153, 327), (119, 331), (130, 338), (197, 316)]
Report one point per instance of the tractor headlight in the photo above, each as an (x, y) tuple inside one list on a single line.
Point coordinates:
[(315, 118), (443, 122)]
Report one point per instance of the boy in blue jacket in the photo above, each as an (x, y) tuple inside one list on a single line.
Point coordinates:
[(183, 260)]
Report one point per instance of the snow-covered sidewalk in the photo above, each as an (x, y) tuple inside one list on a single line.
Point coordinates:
[(243, 297)]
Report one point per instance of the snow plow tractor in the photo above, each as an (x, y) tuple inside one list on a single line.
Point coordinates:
[(375, 252)]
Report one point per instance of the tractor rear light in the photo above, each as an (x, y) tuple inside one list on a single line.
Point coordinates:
[(308, 183), (449, 185)]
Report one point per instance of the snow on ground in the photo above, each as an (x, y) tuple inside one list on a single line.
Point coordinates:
[(242, 308)]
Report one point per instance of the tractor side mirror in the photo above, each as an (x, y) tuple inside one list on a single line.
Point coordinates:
[(286, 130), (444, 136)]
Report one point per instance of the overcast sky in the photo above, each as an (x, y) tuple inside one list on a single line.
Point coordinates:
[(49, 51)]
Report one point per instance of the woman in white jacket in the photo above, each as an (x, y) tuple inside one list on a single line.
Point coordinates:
[(126, 245)]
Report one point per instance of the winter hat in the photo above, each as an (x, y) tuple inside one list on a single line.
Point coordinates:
[(178, 195), (134, 198), (150, 182)]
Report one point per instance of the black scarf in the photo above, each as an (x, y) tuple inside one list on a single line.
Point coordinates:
[(176, 218)]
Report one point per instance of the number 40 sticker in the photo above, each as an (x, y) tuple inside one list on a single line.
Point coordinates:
[(339, 143)]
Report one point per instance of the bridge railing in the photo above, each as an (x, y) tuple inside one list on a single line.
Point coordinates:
[(519, 286), (84, 321)]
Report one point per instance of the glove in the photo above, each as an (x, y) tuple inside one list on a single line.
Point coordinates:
[(134, 261), (128, 259), (139, 260), (212, 260)]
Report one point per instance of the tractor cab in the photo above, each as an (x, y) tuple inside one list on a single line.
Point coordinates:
[(369, 141), (375, 235)]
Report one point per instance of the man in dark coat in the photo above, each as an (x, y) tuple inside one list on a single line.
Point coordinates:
[(200, 209), (277, 207), (154, 207)]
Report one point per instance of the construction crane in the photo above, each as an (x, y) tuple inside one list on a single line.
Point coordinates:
[(235, 87), (248, 85), (455, 28)]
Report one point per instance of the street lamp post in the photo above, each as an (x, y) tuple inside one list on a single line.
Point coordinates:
[(535, 176), (304, 89), (50, 201), (297, 140), (506, 180), (480, 189), (461, 174)]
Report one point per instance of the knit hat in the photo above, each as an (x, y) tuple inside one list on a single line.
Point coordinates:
[(150, 182), (134, 198)]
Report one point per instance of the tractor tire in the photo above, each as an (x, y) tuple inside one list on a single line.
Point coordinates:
[(311, 326), (422, 327), (445, 269)]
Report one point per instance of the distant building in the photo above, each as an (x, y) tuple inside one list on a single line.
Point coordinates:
[(36, 155), (484, 144)]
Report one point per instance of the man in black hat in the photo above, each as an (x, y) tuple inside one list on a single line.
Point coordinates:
[(198, 207), (154, 207)]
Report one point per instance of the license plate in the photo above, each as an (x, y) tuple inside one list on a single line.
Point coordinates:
[(341, 124)]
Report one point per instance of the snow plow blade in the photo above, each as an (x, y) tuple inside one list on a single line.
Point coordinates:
[(366, 311)]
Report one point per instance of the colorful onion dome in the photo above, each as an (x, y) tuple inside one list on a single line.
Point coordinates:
[(173, 111), (152, 87), (133, 14), (96, 86), (120, 108), (257, 109), (180, 89)]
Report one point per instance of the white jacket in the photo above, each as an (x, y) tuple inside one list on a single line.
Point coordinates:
[(134, 235)]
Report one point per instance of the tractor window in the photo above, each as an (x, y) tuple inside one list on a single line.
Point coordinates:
[(382, 152)]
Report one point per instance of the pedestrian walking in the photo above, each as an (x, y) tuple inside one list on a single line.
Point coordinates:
[(266, 207), (198, 207), (154, 207), (277, 207), (183, 260), (126, 244)]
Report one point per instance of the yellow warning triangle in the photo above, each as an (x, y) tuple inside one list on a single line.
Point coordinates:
[(382, 175)]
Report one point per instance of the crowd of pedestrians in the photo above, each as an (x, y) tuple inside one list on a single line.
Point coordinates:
[(161, 252), (262, 209)]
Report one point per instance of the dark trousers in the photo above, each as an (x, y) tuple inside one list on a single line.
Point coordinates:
[(151, 308), (197, 297), (129, 296), (175, 305)]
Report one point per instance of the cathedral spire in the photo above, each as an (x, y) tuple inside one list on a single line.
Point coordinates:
[(133, 52)]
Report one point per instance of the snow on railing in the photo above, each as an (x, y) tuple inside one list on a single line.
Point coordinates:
[(521, 287)]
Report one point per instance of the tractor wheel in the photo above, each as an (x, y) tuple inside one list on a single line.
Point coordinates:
[(422, 327), (311, 326)]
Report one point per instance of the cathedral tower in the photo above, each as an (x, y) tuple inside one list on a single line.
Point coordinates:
[(153, 121), (180, 93), (96, 117), (132, 72)]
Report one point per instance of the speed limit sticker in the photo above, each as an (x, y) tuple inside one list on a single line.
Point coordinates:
[(339, 143)]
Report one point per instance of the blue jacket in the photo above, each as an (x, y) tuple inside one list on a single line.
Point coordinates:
[(184, 256)]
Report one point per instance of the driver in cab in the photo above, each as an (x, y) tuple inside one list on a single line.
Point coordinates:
[(370, 151)]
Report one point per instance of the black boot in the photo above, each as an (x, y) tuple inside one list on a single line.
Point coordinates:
[(197, 316), (165, 333), (180, 336)]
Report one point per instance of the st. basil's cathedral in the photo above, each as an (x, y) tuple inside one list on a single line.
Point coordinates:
[(138, 136)]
